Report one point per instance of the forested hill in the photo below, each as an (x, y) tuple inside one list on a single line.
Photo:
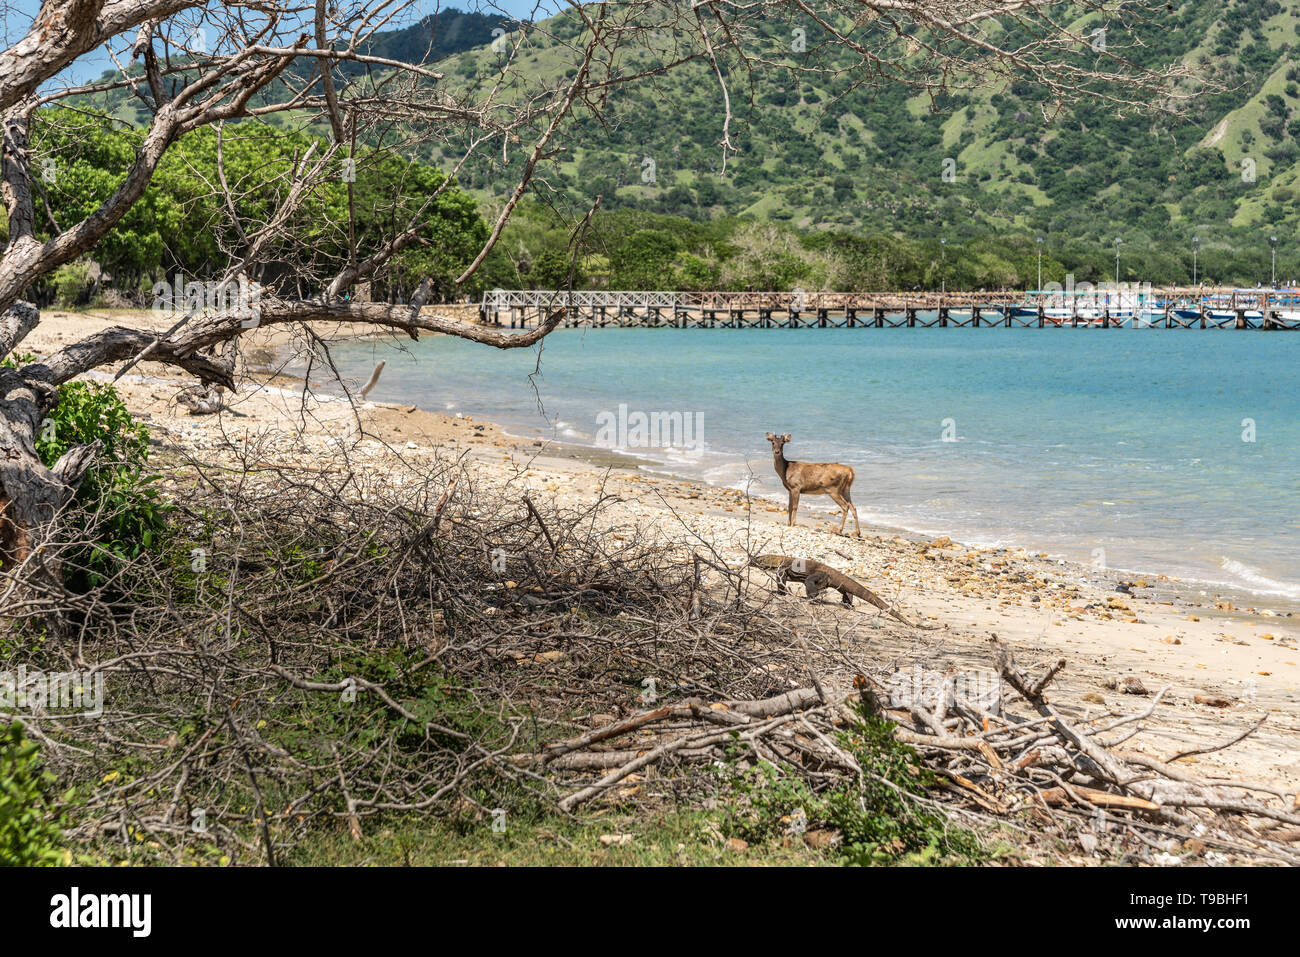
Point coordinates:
[(823, 155), (436, 36), (837, 176)]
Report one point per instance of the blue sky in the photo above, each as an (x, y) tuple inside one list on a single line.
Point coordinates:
[(16, 16)]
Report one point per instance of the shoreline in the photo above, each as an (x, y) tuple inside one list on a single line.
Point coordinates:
[(266, 360), (1283, 605), (656, 468), (1226, 659), (1140, 543)]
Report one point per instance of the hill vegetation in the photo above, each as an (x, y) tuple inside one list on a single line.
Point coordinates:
[(835, 184), (989, 169)]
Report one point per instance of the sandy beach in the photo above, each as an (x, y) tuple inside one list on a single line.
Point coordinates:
[(1227, 660)]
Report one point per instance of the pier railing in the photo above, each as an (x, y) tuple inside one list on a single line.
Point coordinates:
[(1128, 306)]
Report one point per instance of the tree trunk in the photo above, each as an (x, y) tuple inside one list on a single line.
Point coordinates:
[(31, 495)]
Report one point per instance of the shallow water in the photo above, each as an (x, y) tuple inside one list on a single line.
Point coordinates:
[(1147, 450)]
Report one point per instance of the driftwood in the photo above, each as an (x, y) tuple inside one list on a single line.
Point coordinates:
[(202, 400), (372, 381), (992, 767)]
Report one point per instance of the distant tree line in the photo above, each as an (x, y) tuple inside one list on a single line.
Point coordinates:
[(635, 249), (181, 226), (183, 223)]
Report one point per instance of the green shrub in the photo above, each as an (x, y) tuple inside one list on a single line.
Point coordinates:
[(30, 833), (881, 818), (74, 284), (119, 511)]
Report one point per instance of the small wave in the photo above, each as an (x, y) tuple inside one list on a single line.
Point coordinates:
[(1260, 583)]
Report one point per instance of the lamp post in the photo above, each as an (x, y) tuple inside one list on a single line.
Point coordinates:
[(1117, 242), (1040, 263), (1196, 247), (943, 268), (1272, 241)]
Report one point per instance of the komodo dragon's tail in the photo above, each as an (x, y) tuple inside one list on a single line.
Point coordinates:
[(866, 594), (820, 576)]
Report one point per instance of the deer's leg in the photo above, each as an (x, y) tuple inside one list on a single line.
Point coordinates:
[(793, 507), (857, 528), (842, 500)]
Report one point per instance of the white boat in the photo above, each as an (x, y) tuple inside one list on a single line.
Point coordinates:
[(1223, 315)]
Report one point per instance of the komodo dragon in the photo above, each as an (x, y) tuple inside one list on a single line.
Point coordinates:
[(817, 577)]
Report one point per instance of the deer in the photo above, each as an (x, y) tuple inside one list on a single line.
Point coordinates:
[(815, 478)]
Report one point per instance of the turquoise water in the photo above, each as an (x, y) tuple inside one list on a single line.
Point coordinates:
[(1068, 441)]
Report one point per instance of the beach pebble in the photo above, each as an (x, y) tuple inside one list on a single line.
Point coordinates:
[(1213, 700), (1131, 685)]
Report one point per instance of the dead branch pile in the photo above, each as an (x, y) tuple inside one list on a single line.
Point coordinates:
[(1036, 770), (328, 645)]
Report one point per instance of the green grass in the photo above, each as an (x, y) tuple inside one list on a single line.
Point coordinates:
[(657, 839)]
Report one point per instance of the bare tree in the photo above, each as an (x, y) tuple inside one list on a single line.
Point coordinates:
[(222, 65)]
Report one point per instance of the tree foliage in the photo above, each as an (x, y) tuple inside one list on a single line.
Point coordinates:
[(185, 224)]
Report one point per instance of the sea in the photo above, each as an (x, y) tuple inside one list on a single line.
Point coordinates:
[(1172, 451)]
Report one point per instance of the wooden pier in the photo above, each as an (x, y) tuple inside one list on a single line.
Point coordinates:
[(598, 309)]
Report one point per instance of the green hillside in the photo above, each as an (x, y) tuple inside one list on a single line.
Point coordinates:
[(827, 156), (840, 182)]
